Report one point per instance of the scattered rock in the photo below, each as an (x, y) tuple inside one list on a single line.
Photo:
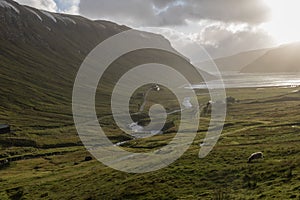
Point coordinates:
[(4, 128), (44, 195), (88, 158)]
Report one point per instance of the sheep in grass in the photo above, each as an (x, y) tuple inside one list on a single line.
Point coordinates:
[(254, 156), (4, 163)]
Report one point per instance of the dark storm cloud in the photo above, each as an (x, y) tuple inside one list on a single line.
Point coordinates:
[(162, 3), (219, 40), (211, 20), (175, 12), (129, 12)]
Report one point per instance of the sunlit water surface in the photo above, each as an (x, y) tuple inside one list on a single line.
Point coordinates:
[(239, 80)]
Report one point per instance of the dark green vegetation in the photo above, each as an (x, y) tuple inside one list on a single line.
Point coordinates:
[(46, 160), (263, 120), (39, 61)]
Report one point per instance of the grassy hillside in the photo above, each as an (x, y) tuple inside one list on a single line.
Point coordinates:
[(39, 60)]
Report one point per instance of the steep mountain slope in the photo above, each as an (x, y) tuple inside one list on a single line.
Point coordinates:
[(40, 54), (284, 59), (235, 62)]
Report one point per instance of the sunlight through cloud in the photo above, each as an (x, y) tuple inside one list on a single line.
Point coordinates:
[(284, 22)]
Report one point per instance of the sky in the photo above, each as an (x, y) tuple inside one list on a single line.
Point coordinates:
[(222, 27)]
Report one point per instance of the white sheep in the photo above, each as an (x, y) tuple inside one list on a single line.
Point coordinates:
[(257, 155)]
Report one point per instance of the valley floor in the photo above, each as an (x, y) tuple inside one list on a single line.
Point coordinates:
[(265, 119)]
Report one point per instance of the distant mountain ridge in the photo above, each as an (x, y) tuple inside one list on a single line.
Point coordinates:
[(284, 59), (235, 62)]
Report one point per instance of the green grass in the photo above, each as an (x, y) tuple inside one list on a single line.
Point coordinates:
[(38, 69), (253, 124)]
